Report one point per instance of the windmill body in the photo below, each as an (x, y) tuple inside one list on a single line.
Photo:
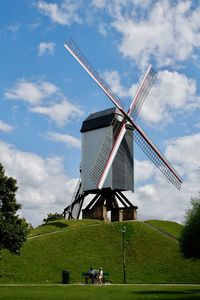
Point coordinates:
[(94, 129)]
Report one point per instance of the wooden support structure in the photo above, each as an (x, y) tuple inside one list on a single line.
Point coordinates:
[(109, 200)]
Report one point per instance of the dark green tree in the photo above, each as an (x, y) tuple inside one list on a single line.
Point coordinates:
[(190, 234), (53, 217), (13, 230)]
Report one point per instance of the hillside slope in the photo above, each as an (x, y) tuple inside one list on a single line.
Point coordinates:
[(151, 256)]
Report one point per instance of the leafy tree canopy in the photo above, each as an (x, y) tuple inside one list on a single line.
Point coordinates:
[(190, 235), (53, 217), (13, 230)]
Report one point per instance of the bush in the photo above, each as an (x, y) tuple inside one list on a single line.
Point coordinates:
[(190, 234)]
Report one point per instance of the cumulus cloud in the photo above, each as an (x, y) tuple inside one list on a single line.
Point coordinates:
[(44, 48), (5, 127), (99, 3), (43, 185), (158, 198), (113, 79), (143, 170), (161, 202), (116, 6), (40, 95), (185, 151), (65, 13), (32, 92), (166, 31), (60, 112), (69, 140), (173, 93)]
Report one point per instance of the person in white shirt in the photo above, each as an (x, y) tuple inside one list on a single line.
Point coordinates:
[(100, 275)]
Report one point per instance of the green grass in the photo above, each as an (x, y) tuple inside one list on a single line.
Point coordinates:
[(100, 292), (171, 228), (151, 257), (60, 225)]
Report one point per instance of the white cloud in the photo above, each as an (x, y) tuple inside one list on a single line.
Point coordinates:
[(173, 94), (5, 127), (185, 151), (63, 14), (37, 92), (113, 79), (32, 92), (99, 3), (166, 31), (69, 140), (60, 112), (143, 170), (160, 200), (44, 48), (43, 185)]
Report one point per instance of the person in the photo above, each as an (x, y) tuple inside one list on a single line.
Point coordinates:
[(91, 274), (100, 275)]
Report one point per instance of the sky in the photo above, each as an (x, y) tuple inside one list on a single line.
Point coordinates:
[(46, 95)]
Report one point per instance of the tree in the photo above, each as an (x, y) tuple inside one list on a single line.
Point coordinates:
[(53, 217), (13, 230), (190, 234)]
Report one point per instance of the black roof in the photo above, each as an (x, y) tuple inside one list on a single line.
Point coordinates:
[(99, 119)]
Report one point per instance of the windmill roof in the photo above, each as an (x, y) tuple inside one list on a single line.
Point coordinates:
[(99, 119)]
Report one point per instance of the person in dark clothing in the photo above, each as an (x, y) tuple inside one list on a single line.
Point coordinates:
[(91, 274)]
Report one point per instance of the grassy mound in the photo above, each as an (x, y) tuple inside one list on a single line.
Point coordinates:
[(151, 256)]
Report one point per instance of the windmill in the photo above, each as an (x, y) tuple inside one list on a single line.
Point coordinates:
[(110, 134)]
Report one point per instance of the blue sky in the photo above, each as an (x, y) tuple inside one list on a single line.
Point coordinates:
[(45, 95)]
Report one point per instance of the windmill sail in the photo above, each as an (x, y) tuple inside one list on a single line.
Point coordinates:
[(156, 157), (78, 55), (142, 92)]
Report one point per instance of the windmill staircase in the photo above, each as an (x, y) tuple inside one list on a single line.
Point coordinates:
[(73, 210)]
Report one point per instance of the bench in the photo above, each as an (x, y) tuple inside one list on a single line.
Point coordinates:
[(106, 276)]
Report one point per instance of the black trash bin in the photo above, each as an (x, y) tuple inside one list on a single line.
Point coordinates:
[(65, 277)]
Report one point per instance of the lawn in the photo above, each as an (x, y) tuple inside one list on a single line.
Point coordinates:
[(171, 228), (61, 225), (151, 256), (111, 292)]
